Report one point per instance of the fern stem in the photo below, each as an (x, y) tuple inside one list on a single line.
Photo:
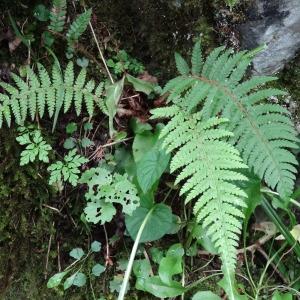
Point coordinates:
[(132, 255), (100, 52)]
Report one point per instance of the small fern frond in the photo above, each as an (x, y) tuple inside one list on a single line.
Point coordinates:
[(57, 15), (41, 92), (78, 27), (209, 167), (257, 126)]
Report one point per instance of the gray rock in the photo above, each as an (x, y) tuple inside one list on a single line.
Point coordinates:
[(275, 23)]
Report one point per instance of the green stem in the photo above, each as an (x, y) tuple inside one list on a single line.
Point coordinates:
[(132, 255)]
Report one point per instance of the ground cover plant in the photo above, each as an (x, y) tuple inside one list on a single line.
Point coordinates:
[(182, 191)]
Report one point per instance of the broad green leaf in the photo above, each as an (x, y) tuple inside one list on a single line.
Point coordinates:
[(206, 295), (86, 142), (280, 296), (156, 287), (156, 254), (71, 128), (98, 269), (151, 167), (99, 212), (69, 143), (143, 143), (69, 281), (142, 270), (96, 246), (80, 279), (157, 226), (140, 85), (171, 264), (76, 253), (56, 279)]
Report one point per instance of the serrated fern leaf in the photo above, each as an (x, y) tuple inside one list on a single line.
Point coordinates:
[(43, 92), (208, 166), (263, 132), (57, 15), (197, 60), (181, 64)]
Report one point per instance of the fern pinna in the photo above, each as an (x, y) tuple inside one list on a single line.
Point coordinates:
[(207, 148), (44, 92)]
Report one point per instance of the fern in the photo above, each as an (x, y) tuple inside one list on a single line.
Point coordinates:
[(78, 27), (208, 165), (68, 169), (36, 146), (57, 15), (43, 92), (263, 132)]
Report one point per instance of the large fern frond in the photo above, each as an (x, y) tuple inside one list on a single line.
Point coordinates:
[(263, 132), (41, 92), (209, 168)]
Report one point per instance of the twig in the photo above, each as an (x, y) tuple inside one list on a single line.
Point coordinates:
[(108, 145), (58, 257), (48, 252), (99, 49)]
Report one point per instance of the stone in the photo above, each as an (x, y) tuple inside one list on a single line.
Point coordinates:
[(275, 23)]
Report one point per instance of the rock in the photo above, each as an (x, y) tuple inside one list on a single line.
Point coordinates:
[(275, 23)]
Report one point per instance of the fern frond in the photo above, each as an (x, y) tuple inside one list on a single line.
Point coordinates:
[(57, 15), (257, 125), (30, 98), (209, 166), (78, 27)]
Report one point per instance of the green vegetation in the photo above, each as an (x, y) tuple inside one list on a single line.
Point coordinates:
[(126, 189)]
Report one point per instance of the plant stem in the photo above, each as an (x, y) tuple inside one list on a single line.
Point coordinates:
[(100, 52), (132, 255)]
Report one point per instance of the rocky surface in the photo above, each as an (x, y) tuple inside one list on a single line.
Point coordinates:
[(275, 23)]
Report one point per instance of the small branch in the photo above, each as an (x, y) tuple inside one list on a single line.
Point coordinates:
[(100, 52)]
